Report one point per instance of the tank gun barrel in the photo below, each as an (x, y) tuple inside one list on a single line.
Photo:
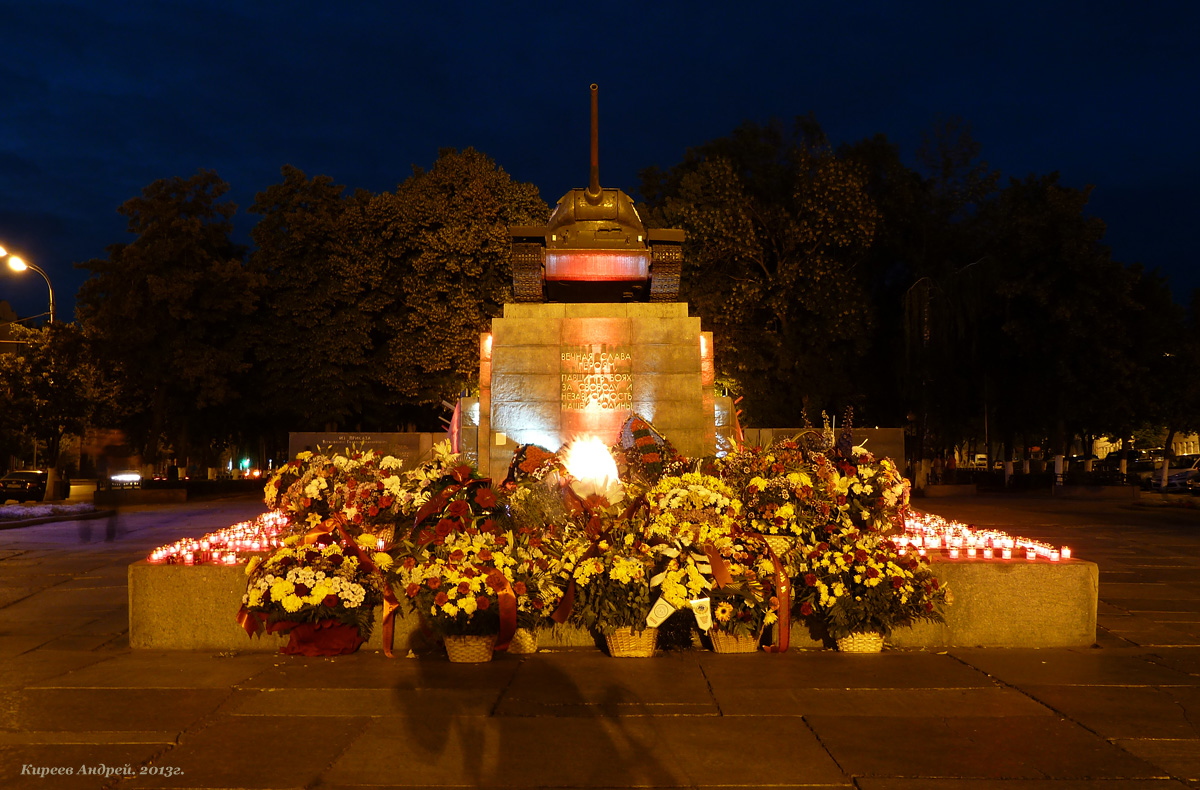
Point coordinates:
[(593, 190)]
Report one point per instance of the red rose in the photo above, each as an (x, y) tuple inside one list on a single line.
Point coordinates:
[(302, 589), (484, 497), (444, 527), (441, 599), (810, 579), (519, 588), (433, 582), (488, 525), (458, 509), (806, 609), (412, 590), (483, 602), (330, 600)]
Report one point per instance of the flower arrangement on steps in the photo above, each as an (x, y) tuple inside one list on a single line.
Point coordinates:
[(615, 549), (322, 595)]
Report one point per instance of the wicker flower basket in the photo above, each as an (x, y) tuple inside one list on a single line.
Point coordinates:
[(626, 643), (470, 649), (861, 642), (733, 643), (524, 641)]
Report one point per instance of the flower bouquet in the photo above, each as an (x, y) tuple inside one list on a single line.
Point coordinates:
[(611, 589), (321, 595), (744, 606), (364, 488), (858, 583), (862, 492)]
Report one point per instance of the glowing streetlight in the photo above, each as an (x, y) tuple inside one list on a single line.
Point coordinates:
[(18, 265)]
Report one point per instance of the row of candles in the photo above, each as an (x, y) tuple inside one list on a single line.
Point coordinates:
[(224, 546), (925, 532)]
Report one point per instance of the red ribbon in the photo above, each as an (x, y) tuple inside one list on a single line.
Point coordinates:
[(783, 592)]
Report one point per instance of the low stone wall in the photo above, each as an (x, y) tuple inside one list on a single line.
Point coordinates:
[(997, 603)]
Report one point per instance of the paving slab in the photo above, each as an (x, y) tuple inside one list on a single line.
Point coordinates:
[(1073, 668), (41, 665), (73, 756), (1013, 747), (155, 669), (1179, 757), (592, 684), (603, 752), (376, 671), (73, 709), (1127, 712), (255, 752), (362, 703), (829, 669), (932, 702)]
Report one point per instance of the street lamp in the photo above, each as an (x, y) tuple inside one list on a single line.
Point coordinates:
[(18, 265)]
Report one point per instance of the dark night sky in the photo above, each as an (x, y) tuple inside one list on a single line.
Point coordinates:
[(98, 99)]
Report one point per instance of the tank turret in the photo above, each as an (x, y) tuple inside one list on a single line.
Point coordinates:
[(595, 247)]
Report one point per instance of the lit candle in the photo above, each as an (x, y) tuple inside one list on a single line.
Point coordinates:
[(1030, 553), (189, 559), (1006, 553), (1066, 553), (1053, 555), (954, 552), (971, 552), (988, 552), (379, 544), (921, 551)]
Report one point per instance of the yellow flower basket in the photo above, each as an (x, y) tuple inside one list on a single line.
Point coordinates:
[(627, 643), (861, 642), (470, 649), (524, 642), (733, 643)]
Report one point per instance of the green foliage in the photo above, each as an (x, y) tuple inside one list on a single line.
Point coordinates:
[(775, 223), (440, 249), (51, 385), (170, 311)]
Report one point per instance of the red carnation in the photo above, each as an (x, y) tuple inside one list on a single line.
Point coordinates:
[(412, 590), (929, 606), (651, 458), (456, 555), (485, 555), (519, 588), (483, 602), (810, 579), (463, 588), (386, 501), (336, 560), (470, 573), (441, 599), (372, 511), (872, 573), (860, 555), (484, 497), (537, 604), (897, 582), (409, 563), (330, 600), (806, 609), (495, 580), (433, 582)]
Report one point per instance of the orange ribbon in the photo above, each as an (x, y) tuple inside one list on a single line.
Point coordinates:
[(783, 592)]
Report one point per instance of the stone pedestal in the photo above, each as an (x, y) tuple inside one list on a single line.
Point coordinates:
[(552, 372)]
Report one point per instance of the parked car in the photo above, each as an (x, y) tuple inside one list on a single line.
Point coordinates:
[(1178, 478), (25, 486)]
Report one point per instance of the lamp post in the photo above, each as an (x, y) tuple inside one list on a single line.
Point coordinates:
[(19, 265)]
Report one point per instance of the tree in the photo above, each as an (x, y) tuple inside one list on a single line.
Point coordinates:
[(437, 253), (312, 341), (52, 386), (170, 312), (776, 224)]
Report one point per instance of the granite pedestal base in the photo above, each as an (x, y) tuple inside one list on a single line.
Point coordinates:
[(997, 603)]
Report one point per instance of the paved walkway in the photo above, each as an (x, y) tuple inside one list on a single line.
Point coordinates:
[(1120, 716)]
